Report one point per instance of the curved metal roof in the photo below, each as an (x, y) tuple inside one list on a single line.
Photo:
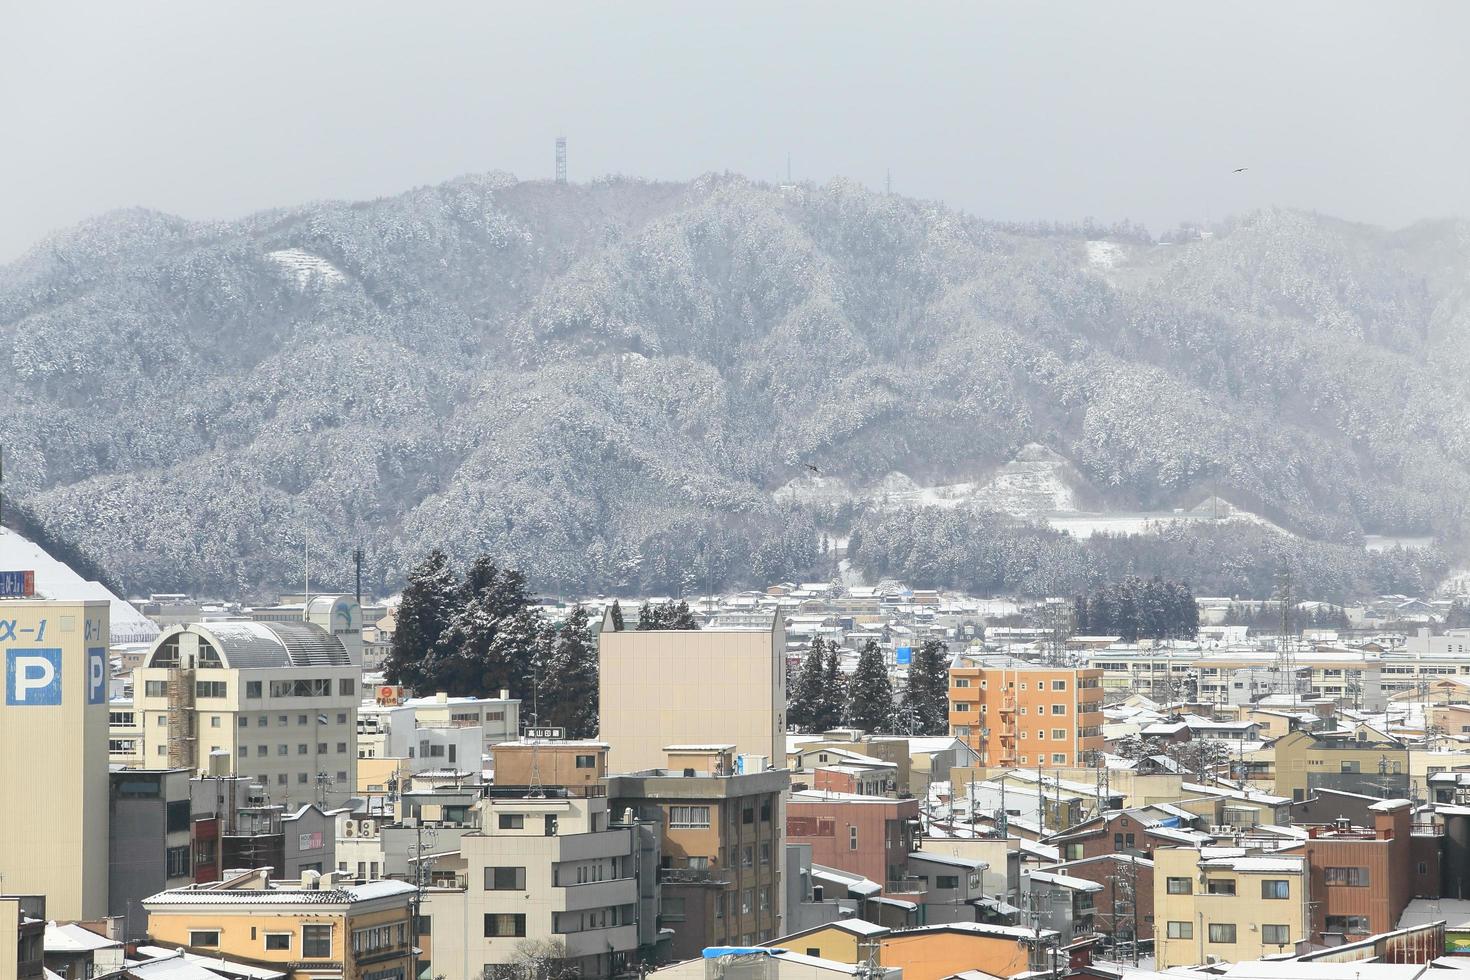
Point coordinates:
[(250, 644)]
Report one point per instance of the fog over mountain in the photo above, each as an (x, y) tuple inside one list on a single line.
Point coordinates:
[(659, 386)]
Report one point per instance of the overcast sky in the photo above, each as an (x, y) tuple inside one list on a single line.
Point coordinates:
[(1017, 110)]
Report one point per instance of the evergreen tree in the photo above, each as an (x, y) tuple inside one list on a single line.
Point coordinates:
[(806, 710), (833, 704), (429, 602), (617, 616), (1102, 613), (926, 693), (1080, 622), (568, 695), (667, 616), (870, 699), (1126, 618)]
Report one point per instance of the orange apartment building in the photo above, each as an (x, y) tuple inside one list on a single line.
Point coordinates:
[(1016, 713)]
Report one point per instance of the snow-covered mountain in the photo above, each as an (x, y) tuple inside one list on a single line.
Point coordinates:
[(637, 384)]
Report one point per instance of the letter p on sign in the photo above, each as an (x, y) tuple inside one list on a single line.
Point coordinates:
[(32, 677)]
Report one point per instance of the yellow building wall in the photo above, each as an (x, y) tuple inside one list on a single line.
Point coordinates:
[(829, 943), (1246, 910), (53, 740)]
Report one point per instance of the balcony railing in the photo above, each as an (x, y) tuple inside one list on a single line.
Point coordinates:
[(694, 876)]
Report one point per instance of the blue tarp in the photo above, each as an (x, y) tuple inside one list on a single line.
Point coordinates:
[(1169, 822)]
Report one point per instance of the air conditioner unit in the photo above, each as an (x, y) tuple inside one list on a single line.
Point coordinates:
[(1221, 828), (349, 828), (367, 828)]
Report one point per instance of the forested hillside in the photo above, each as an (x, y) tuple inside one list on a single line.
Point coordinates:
[(605, 384)]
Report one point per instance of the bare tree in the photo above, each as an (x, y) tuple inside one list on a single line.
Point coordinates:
[(535, 959)]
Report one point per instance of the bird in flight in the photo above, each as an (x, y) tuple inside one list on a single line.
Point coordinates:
[(1240, 170), (812, 468)]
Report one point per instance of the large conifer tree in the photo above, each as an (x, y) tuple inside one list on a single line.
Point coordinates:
[(423, 616), (925, 704), (569, 679), (870, 699), (805, 708), (833, 703)]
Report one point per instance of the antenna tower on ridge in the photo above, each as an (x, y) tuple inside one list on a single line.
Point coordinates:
[(561, 159)]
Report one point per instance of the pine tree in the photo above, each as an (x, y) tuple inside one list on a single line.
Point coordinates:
[(667, 616), (569, 692), (429, 602), (617, 616), (1079, 616), (926, 693), (833, 704), (870, 699), (805, 709)]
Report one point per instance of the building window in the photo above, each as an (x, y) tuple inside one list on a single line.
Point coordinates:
[(961, 706), (321, 748), (1220, 886), (206, 938), (162, 720), (765, 899), (1058, 685), (252, 689), (1356, 877), (1059, 733), (586, 762), (852, 838), (1181, 930), (278, 940), (346, 687), (301, 777), (301, 720), (950, 882), (1275, 935), (747, 856), (1059, 709), (1222, 932), (423, 925), (505, 879), (341, 748), (302, 748), (1274, 888), (747, 899), (747, 813), (685, 817), (766, 810), (316, 942), (155, 689), (720, 905), (178, 861), (765, 853), (1175, 886), (176, 816), (1347, 923), (504, 926), (209, 689), (512, 821), (1059, 758)]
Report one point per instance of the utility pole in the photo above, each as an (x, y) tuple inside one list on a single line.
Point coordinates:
[(357, 561)]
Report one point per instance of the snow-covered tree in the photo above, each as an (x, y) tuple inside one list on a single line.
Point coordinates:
[(870, 695), (925, 700), (806, 706), (423, 618)]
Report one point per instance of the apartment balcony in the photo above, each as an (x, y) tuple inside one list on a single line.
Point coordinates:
[(695, 876), (616, 842), (599, 894), (592, 942)]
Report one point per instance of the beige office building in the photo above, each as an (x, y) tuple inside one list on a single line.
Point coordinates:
[(53, 754), (681, 687), (275, 701)]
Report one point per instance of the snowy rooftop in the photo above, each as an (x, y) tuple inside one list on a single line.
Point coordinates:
[(55, 580)]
